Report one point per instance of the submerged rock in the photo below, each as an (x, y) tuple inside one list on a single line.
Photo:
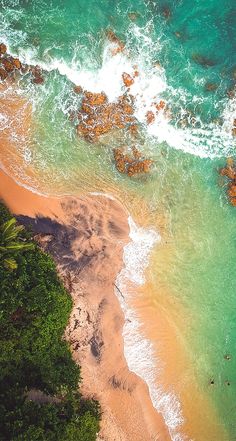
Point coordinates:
[(150, 117), (178, 34), (231, 92), (133, 16), (230, 172), (36, 72), (211, 87), (11, 64), (3, 49), (114, 39), (3, 74), (161, 105), (8, 65), (166, 12), (16, 62), (227, 357), (127, 79), (203, 61), (131, 164), (37, 80), (234, 127), (78, 89)]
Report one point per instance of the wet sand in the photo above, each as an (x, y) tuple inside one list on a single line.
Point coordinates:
[(86, 237)]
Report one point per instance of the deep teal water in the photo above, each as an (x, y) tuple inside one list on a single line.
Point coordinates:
[(195, 43)]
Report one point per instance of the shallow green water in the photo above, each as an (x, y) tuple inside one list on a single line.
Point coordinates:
[(68, 38)]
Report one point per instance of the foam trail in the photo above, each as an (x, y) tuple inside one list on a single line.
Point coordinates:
[(139, 351)]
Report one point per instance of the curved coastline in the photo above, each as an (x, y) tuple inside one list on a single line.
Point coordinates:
[(96, 323)]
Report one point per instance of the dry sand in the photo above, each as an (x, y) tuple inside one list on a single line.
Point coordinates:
[(86, 237)]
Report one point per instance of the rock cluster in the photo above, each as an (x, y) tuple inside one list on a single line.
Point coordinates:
[(9, 65), (97, 116), (230, 172), (131, 164)]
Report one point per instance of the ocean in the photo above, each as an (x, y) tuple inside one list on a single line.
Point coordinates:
[(180, 293)]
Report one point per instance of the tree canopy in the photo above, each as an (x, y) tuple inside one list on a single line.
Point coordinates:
[(34, 311)]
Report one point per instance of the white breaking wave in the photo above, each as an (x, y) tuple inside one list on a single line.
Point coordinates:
[(139, 351), (149, 87)]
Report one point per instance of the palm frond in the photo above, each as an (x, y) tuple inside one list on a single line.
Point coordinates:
[(10, 263), (19, 246)]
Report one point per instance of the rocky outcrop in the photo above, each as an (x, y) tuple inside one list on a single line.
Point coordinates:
[(97, 116), (9, 66)]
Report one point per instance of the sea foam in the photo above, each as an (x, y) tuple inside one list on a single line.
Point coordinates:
[(139, 351), (201, 139)]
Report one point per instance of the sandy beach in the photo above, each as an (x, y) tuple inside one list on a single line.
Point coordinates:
[(86, 237)]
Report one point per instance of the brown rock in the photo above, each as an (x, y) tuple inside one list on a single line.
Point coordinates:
[(95, 99), (8, 65), (97, 116), (229, 172), (78, 89), (128, 109), (36, 71), (16, 62), (3, 49), (127, 79), (25, 68), (203, 61), (150, 117), (131, 165), (157, 64), (177, 34), (133, 16), (136, 153), (166, 12), (211, 87), (234, 127), (114, 39), (112, 36), (231, 93), (38, 80), (232, 190), (161, 105), (133, 129), (3, 74)]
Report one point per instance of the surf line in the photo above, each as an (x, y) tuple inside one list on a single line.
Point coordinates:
[(138, 350)]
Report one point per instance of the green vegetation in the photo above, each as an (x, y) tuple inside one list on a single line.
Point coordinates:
[(9, 242), (34, 311)]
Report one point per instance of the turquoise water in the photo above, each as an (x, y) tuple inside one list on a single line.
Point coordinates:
[(179, 47)]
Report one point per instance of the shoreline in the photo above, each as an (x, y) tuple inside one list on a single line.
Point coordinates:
[(86, 237)]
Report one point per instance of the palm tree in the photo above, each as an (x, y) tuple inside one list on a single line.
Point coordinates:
[(10, 242)]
